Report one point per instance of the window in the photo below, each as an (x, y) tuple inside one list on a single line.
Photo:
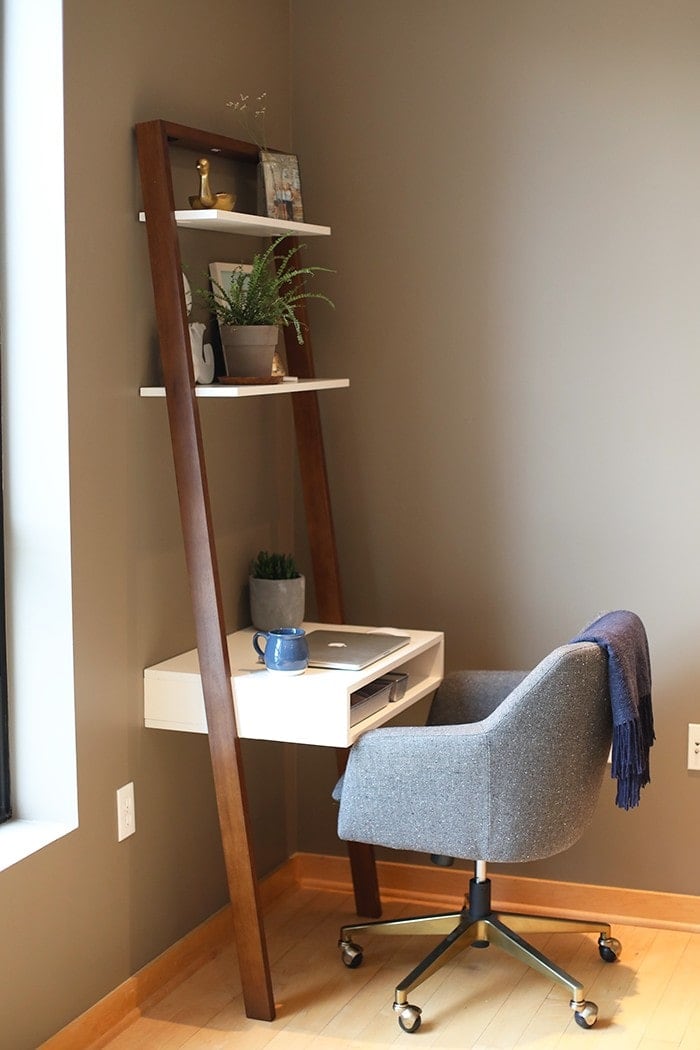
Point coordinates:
[(5, 808), (37, 581)]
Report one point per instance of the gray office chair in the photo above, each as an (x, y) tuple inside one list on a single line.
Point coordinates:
[(508, 769)]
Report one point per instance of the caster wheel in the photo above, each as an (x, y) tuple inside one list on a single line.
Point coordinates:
[(587, 1016), (609, 948), (409, 1017), (351, 954)]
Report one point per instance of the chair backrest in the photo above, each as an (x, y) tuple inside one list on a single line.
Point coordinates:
[(545, 751)]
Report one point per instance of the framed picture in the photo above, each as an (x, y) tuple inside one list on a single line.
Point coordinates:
[(282, 186), (220, 272)]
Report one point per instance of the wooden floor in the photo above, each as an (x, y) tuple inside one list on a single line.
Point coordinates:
[(649, 1000)]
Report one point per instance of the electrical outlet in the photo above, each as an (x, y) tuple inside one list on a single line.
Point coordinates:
[(693, 746), (126, 814)]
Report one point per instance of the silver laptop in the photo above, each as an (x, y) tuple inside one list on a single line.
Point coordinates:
[(351, 650)]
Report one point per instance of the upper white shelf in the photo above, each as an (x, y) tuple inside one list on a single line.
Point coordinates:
[(251, 390), (237, 222)]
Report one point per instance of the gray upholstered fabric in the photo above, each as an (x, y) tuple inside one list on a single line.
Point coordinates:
[(509, 767), (469, 696)]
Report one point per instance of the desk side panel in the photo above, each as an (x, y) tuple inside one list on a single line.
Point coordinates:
[(173, 702)]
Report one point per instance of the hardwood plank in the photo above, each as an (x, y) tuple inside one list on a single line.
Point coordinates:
[(651, 977), (516, 1012), (690, 1036), (616, 981), (465, 1006), (479, 999), (672, 1016)]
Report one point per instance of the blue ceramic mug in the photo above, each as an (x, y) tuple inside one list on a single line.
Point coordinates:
[(286, 649)]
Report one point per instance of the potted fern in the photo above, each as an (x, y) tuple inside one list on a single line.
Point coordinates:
[(259, 299), (277, 592)]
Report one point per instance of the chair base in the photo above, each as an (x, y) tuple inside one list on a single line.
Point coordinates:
[(477, 926)]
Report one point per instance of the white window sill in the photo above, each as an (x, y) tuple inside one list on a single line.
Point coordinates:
[(21, 838)]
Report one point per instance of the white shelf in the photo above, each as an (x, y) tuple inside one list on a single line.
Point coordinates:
[(313, 708), (237, 222), (249, 390)]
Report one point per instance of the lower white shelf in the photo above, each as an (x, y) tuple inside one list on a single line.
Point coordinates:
[(253, 390), (313, 708)]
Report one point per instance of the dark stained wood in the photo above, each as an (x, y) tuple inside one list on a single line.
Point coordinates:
[(363, 865), (312, 466), (324, 556), (200, 552), (153, 140), (208, 142)]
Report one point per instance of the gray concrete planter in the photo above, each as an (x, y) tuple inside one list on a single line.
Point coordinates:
[(276, 603), (249, 349)]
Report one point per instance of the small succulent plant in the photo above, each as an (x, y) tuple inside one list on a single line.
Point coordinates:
[(272, 566)]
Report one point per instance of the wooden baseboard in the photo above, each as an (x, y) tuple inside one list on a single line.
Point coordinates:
[(119, 1008), (440, 888), (445, 888)]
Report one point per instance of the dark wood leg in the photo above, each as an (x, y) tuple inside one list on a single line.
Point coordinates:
[(363, 866), (200, 554), (321, 532), (364, 880)]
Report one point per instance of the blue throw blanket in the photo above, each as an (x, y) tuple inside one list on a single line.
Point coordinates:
[(623, 635)]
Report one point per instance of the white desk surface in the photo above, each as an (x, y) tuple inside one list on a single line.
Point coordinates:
[(312, 708)]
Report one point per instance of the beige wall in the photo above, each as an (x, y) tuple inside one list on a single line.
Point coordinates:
[(83, 914), (513, 194), (512, 190)]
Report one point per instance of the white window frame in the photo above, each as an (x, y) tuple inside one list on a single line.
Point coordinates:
[(35, 433)]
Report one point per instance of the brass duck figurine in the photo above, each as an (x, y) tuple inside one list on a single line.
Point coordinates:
[(206, 198)]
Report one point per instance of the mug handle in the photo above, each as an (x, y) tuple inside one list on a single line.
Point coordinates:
[(259, 651)]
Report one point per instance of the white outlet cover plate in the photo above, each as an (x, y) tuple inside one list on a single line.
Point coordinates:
[(126, 816)]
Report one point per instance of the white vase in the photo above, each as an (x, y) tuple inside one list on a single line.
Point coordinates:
[(249, 349), (202, 354)]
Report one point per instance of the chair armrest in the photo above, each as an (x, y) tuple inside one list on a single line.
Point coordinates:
[(411, 787)]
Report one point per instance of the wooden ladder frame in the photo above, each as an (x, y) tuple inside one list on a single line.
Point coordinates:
[(153, 139)]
